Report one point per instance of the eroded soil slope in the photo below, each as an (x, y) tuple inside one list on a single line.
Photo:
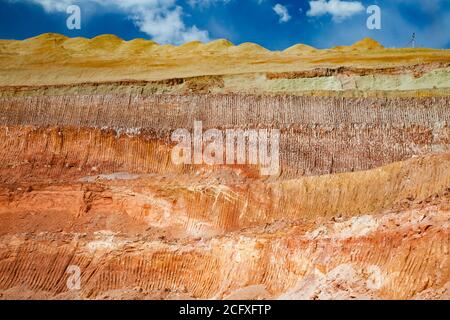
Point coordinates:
[(359, 209)]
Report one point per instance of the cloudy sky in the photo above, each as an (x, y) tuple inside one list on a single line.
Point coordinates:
[(274, 24)]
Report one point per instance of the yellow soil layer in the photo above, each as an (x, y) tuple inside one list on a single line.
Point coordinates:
[(108, 58), (435, 83)]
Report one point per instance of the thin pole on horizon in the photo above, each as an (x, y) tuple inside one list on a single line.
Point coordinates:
[(412, 41)]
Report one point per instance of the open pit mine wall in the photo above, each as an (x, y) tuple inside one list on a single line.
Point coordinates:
[(319, 135), (405, 249), (173, 234), (65, 139), (202, 209), (400, 263)]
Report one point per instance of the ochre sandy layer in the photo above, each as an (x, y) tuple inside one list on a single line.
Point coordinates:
[(108, 58)]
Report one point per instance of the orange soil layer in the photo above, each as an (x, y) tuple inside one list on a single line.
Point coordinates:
[(146, 229), (131, 133), (394, 255)]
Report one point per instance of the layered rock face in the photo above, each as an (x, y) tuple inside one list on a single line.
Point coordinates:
[(359, 207)]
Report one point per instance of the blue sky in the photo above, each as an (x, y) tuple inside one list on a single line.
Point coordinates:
[(273, 24)]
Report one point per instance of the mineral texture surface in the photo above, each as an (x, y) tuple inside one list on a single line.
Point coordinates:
[(359, 207)]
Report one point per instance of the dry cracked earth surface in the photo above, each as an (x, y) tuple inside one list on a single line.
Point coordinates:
[(360, 208)]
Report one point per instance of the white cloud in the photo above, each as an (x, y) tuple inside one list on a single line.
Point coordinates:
[(205, 3), (167, 26), (282, 13), (162, 20), (50, 5), (338, 9)]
